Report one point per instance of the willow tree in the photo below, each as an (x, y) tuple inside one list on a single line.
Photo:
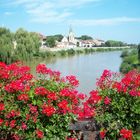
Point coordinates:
[(28, 44), (6, 46)]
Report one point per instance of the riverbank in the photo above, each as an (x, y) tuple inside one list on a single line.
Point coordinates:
[(129, 61), (48, 52)]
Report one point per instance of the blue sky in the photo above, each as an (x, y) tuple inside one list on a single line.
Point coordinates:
[(104, 19)]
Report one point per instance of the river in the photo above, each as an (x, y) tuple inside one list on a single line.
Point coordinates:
[(86, 67)]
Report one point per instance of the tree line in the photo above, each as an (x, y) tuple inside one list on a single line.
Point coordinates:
[(21, 45)]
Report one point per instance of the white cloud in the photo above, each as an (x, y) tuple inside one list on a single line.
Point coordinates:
[(46, 11), (108, 21), (8, 13)]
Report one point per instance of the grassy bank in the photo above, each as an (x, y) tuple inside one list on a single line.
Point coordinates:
[(129, 61), (67, 52)]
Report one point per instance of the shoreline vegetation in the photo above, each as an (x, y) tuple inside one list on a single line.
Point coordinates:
[(52, 52), (24, 46), (130, 60)]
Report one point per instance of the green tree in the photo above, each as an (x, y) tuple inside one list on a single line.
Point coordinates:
[(28, 44), (6, 46), (58, 37), (50, 41), (85, 37), (113, 43)]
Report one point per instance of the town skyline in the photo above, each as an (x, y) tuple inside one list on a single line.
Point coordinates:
[(101, 19)]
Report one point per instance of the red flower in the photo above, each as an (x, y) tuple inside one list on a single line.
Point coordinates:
[(23, 97), (40, 134), (1, 107), (1, 121), (133, 92), (24, 126), (72, 80), (94, 97), (12, 123), (63, 104), (41, 91), (127, 134), (52, 96), (15, 137), (102, 134), (33, 109), (48, 110), (107, 100)]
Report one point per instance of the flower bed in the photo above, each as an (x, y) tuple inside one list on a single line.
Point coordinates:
[(39, 108), (43, 107), (117, 105)]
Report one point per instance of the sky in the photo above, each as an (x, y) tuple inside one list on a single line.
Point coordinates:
[(101, 19)]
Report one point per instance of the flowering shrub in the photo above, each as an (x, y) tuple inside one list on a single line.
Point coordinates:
[(117, 105), (43, 107), (37, 108)]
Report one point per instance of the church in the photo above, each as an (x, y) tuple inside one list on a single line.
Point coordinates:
[(67, 41)]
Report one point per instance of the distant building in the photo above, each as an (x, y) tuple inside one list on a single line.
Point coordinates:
[(67, 41), (71, 42)]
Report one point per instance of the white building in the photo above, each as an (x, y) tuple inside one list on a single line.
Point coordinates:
[(68, 42)]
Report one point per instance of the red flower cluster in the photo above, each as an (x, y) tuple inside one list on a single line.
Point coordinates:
[(40, 134), (72, 80), (1, 106), (102, 134), (23, 97), (127, 134), (41, 91), (48, 110), (107, 101)]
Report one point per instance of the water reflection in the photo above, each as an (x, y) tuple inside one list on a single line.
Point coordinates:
[(87, 68)]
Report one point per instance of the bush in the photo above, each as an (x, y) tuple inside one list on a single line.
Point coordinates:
[(39, 108), (117, 105)]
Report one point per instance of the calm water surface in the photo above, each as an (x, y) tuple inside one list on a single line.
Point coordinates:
[(86, 67)]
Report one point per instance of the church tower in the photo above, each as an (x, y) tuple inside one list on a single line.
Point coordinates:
[(71, 37)]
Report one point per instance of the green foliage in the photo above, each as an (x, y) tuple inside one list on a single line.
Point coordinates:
[(113, 43), (85, 37), (6, 46), (130, 61), (124, 53), (28, 44), (119, 107), (50, 41)]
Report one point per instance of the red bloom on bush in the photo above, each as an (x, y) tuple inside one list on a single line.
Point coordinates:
[(33, 109), (40, 134), (15, 86), (41, 91), (72, 80), (24, 126), (2, 107), (48, 110), (133, 92), (23, 97), (52, 96), (63, 104), (102, 134), (107, 101), (127, 134), (12, 123), (1, 121), (94, 97)]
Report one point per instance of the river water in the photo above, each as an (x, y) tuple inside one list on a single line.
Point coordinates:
[(86, 67)]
